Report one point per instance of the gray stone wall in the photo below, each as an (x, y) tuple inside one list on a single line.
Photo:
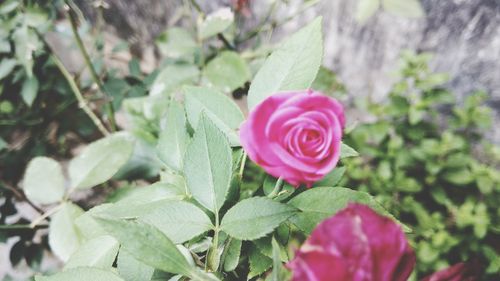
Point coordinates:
[(464, 35)]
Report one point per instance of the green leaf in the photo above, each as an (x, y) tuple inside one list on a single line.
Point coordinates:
[(88, 226), (259, 263), (81, 274), (255, 217), (35, 17), (147, 244), (29, 90), (347, 151), (155, 192), (173, 140), (64, 237), (208, 165), (99, 161), (26, 42), (332, 178), (180, 221), (366, 9), (4, 46), (320, 203), (99, 252), (227, 72), (133, 270), (275, 275), (459, 177), (216, 22), (405, 8), (44, 181), (293, 66), (225, 114), (176, 42), (232, 254), (6, 67), (172, 77), (9, 6), (3, 144)]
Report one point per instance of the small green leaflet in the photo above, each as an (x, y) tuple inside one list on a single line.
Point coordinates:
[(172, 77), (98, 252), (147, 244), (332, 178), (100, 160), (173, 140), (29, 90), (320, 203), (224, 113), (44, 181), (227, 72), (133, 270), (215, 23), (366, 9), (6, 67), (64, 236), (176, 42), (347, 151), (255, 217), (82, 274), (208, 165), (180, 221), (293, 66)]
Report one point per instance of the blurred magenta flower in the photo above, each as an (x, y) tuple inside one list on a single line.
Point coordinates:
[(242, 7), (295, 135), (356, 244), (458, 272)]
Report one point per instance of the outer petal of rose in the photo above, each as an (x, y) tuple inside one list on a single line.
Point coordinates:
[(458, 272), (252, 133), (394, 260), (318, 266), (318, 100)]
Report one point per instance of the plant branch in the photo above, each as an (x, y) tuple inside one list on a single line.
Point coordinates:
[(196, 6), (22, 226), (21, 196), (224, 40), (72, 15), (45, 215), (82, 103), (242, 166)]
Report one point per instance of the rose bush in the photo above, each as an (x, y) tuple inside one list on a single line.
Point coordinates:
[(356, 244), (295, 135)]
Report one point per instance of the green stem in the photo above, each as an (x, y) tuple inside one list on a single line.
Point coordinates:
[(82, 103), (242, 166), (22, 226), (20, 196), (214, 250), (196, 6), (45, 215), (277, 187), (93, 73)]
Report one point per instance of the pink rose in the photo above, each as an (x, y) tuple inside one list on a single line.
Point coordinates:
[(458, 272), (295, 135), (356, 244)]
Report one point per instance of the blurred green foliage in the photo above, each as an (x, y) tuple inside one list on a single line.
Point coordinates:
[(425, 159)]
